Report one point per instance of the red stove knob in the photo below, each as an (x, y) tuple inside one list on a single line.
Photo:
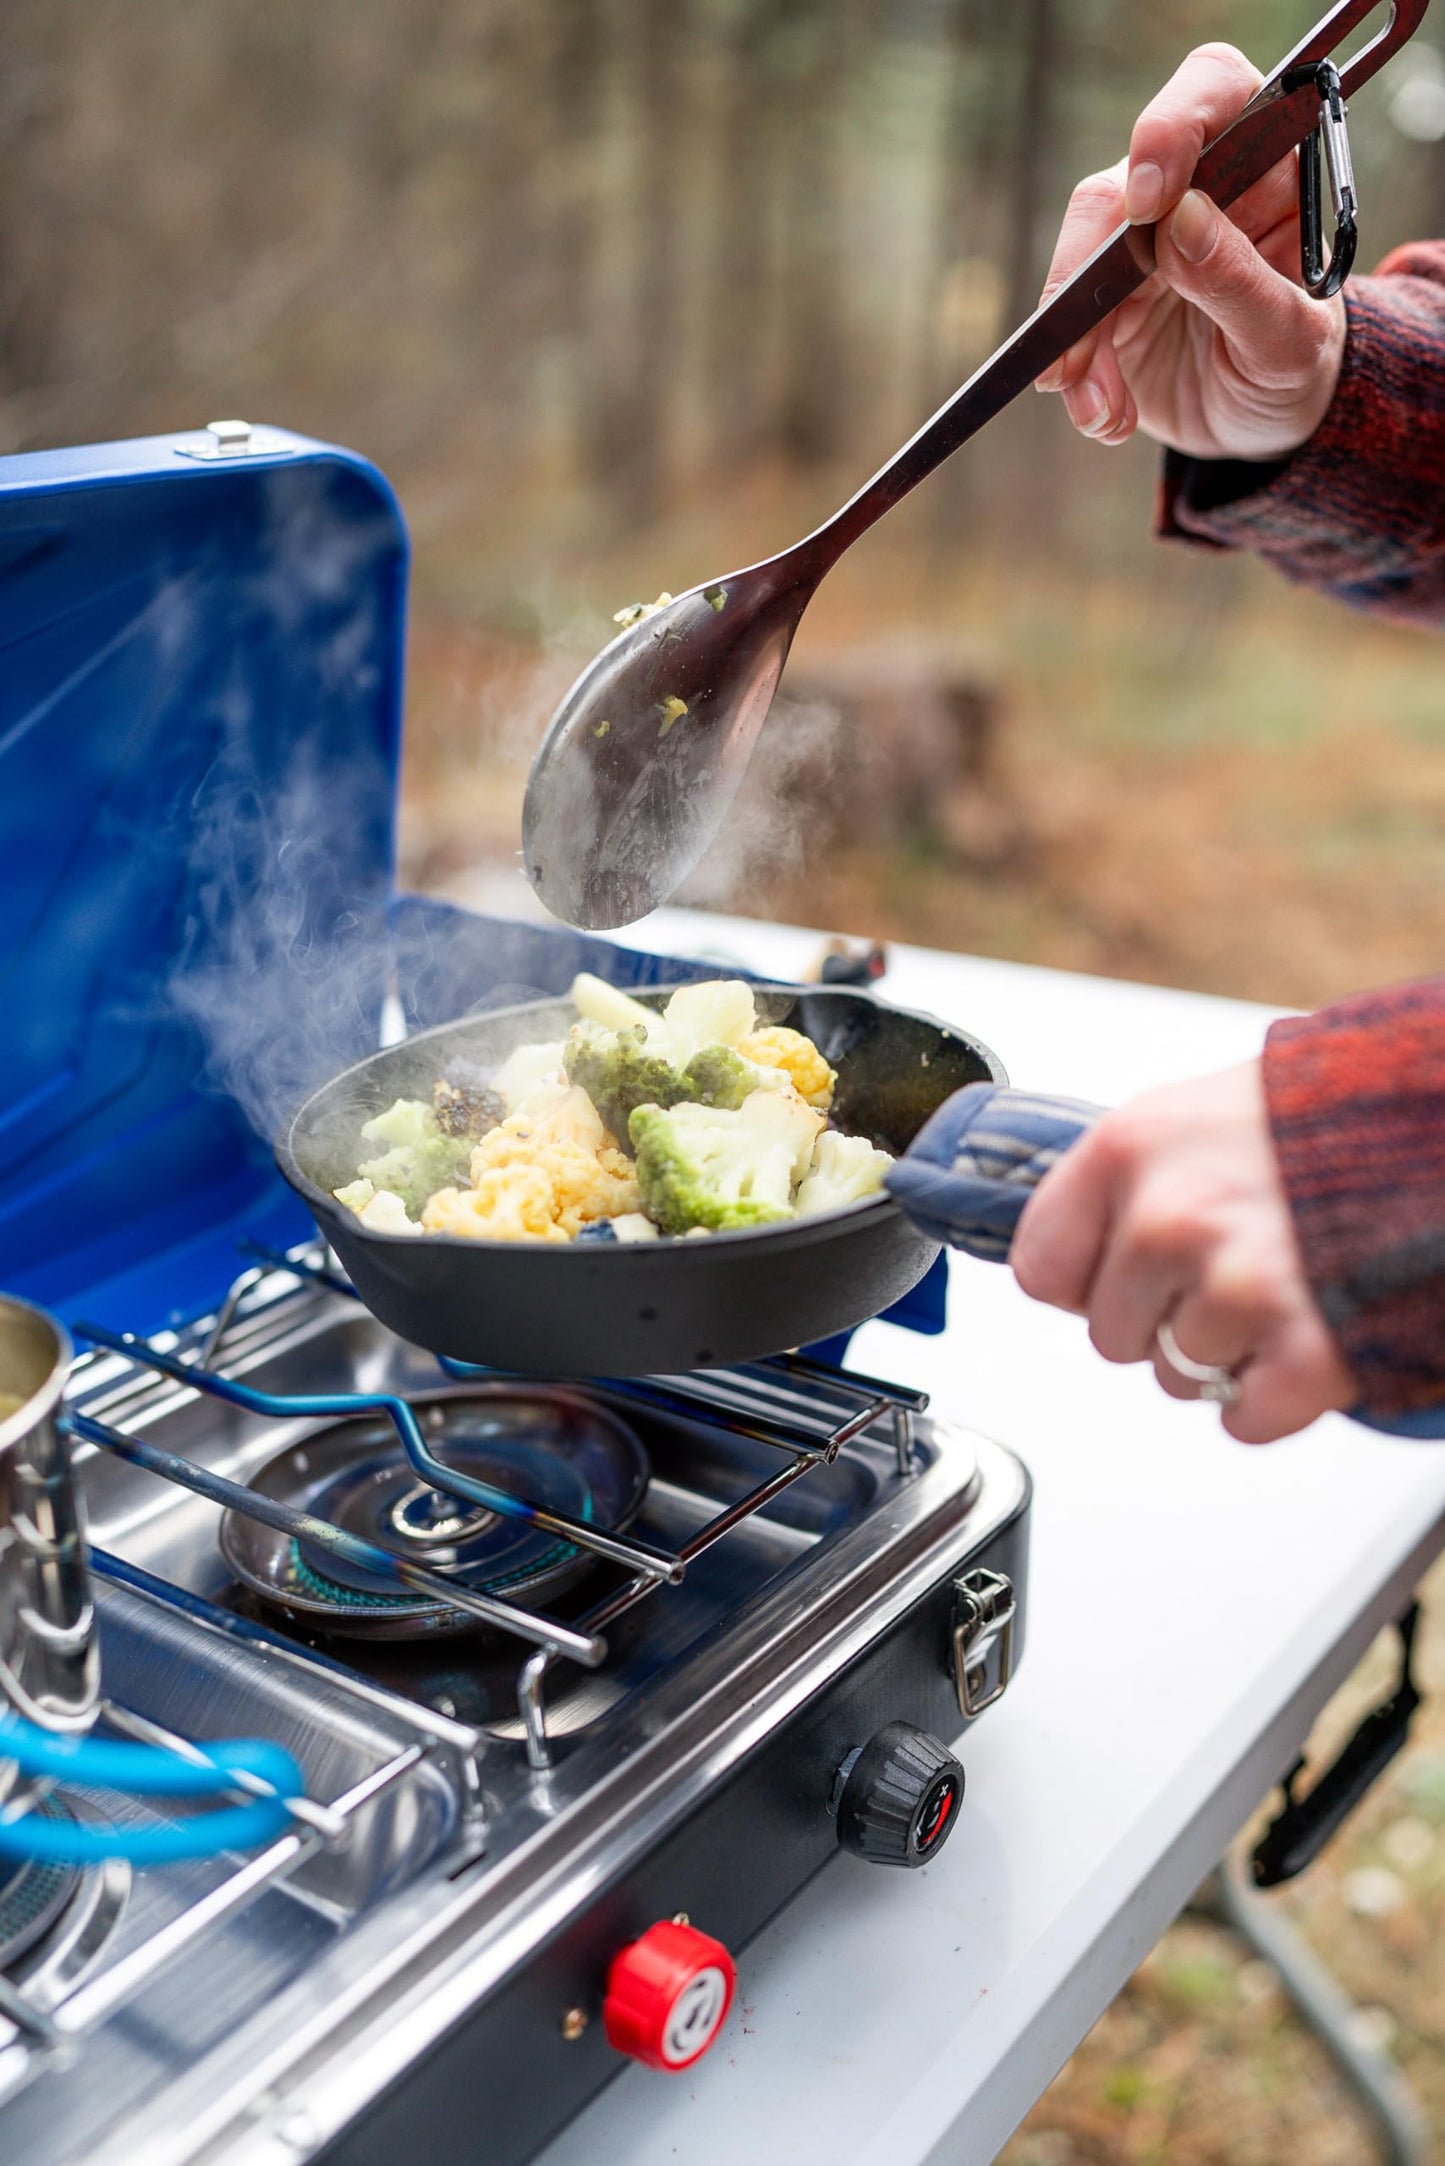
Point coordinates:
[(668, 1995)]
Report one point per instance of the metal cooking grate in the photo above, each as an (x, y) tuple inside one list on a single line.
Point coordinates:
[(806, 1411)]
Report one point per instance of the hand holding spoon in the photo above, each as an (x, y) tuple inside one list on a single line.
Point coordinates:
[(645, 754)]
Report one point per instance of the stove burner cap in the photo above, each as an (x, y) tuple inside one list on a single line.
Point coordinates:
[(552, 1446), (33, 1894)]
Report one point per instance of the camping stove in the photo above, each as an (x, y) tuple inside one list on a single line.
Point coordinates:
[(707, 1647), (580, 1686)]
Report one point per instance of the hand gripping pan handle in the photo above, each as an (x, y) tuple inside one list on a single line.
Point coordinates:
[(1284, 112)]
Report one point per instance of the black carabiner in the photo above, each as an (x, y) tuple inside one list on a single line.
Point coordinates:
[(1322, 279)]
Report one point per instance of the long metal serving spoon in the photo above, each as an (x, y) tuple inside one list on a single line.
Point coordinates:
[(645, 754)]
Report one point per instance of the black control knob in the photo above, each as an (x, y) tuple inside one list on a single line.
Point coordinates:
[(898, 1797)]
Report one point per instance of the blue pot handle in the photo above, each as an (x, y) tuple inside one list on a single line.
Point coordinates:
[(967, 1175)]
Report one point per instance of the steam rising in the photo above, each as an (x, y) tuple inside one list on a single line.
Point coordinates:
[(283, 991), (288, 978), (797, 786)]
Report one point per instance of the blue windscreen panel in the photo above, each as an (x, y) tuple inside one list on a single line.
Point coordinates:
[(200, 703)]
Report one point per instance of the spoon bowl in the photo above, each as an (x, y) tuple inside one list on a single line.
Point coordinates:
[(645, 754)]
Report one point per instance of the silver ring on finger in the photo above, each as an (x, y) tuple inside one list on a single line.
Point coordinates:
[(1221, 1387)]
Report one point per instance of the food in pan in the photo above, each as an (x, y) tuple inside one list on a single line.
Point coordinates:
[(689, 1120), (634, 612)]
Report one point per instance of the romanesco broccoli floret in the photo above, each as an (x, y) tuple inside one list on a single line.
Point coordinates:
[(717, 1076), (418, 1158), (619, 1074), (716, 1167), (620, 1071), (844, 1169)]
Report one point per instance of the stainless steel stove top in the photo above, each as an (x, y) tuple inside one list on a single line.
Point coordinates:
[(469, 1795)]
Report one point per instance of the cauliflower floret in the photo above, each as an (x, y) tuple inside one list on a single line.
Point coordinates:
[(571, 1117), (775, 1046), (418, 1159), (711, 1167), (386, 1213), (379, 1208), (844, 1169), (525, 1067), (633, 1226), (718, 1012), (508, 1203)]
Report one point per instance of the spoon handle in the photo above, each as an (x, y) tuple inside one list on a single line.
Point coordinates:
[(1282, 112)]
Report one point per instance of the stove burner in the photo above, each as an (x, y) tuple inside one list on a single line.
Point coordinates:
[(549, 1445), (33, 1894)]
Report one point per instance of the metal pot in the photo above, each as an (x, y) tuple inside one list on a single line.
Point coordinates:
[(49, 1654)]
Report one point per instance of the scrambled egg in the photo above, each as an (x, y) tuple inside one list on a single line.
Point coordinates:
[(539, 1176), (777, 1047)]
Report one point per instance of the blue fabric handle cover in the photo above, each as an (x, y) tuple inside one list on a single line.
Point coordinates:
[(967, 1175)]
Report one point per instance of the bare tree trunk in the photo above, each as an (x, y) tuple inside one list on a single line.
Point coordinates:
[(733, 375), (1033, 155), (579, 80), (1033, 160), (813, 406), (631, 414), (30, 289), (968, 143)]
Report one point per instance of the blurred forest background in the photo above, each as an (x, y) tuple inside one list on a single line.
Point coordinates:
[(624, 293)]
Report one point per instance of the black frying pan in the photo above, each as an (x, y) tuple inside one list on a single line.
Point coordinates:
[(629, 1309)]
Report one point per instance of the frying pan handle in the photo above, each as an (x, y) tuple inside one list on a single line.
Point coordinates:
[(967, 1175)]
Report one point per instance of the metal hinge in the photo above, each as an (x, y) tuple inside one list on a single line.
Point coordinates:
[(983, 1638), (233, 440)]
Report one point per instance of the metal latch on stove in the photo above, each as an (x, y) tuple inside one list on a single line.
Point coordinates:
[(984, 1607), (234, 440)]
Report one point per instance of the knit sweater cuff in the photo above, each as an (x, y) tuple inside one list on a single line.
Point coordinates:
[(1356, 1099), (1357, 511), (1253, 504)]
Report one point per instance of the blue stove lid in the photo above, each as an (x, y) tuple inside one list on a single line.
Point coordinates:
[(200, 671)]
